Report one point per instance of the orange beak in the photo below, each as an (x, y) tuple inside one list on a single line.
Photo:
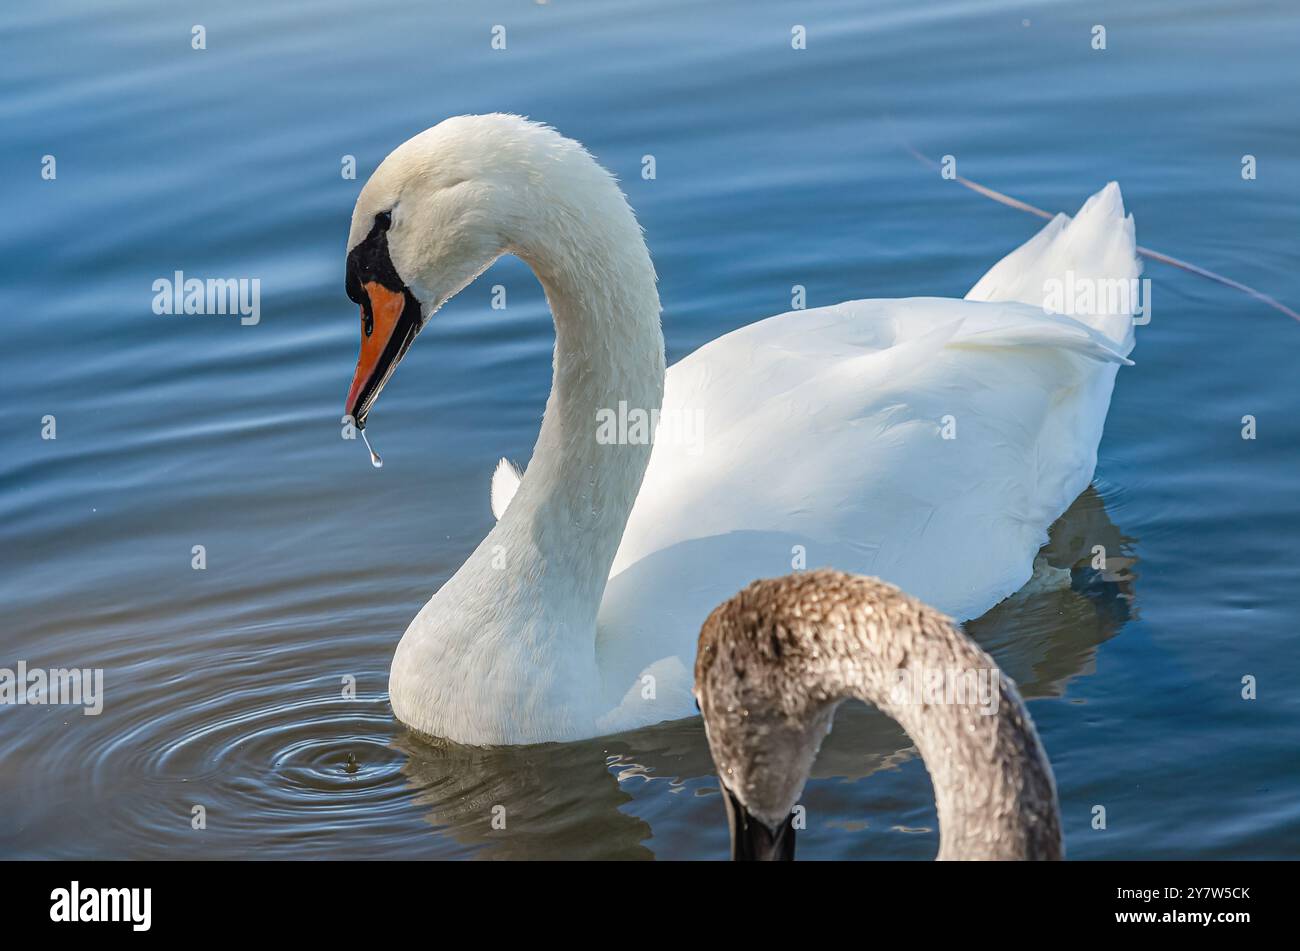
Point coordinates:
[(389, 322)]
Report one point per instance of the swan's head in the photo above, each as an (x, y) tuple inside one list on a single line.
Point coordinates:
[(436, 213), (761, 686)]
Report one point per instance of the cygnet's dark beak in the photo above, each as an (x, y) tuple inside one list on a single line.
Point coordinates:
[(751, 839)]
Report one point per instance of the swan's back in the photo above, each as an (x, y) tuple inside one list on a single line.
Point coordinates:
[(929, 442)]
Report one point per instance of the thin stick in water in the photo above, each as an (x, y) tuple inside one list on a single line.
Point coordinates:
[(1144, 252)]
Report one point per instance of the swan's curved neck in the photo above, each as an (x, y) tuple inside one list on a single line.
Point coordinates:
[(993, 786), (568, 516)]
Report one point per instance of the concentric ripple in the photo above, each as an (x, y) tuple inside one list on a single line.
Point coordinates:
[(229, 746)]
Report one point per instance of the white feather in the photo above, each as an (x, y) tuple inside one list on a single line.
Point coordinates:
[(505, 483), (816, 437)]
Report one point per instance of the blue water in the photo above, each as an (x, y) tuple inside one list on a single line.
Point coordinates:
[(775, 167)]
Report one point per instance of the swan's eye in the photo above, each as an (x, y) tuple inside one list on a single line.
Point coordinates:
[(384, 220)]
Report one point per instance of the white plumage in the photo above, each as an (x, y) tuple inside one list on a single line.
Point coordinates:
[(505, 483), (930, 442)]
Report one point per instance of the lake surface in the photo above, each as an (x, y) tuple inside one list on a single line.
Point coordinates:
[(224, 687)]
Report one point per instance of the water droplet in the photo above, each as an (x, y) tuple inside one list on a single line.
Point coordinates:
[(375, 459), (351, 766)]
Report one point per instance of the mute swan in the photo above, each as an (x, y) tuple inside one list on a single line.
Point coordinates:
[(776, 660), (819, 434)]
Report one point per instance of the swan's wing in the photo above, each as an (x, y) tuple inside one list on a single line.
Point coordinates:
[(505, 483), (929, 442)]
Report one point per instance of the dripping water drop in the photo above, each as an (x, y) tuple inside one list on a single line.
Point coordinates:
[(375, 459)]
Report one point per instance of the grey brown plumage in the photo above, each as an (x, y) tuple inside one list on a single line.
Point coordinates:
[(776, 660)]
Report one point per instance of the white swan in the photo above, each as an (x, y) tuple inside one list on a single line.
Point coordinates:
[(775, 662), (818, 434)]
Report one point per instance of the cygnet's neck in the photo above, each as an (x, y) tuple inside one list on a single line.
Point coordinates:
[(993, 792), (993, 786)]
